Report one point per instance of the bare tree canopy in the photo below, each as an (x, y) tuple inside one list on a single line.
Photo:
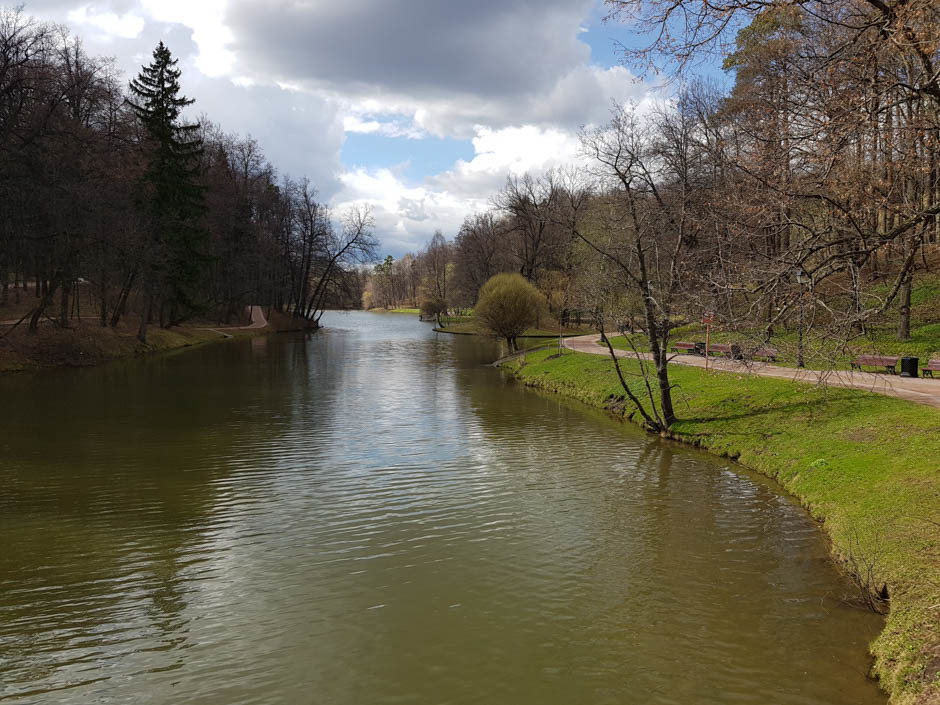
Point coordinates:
[(163, 220)]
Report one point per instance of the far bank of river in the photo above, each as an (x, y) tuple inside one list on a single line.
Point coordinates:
[(372, 513), (86, 343), (865, 465)]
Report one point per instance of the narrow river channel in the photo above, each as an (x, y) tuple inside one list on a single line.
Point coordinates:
[(372, 515)]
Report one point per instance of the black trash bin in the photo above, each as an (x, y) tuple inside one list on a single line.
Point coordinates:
[(700, 349), (909, 366)]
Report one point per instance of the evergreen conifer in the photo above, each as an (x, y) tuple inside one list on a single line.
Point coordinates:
[(172, 194)]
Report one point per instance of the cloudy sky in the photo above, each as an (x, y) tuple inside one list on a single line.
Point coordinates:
[(418, 107)]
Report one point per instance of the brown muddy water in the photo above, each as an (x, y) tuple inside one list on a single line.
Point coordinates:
[(372, 515)]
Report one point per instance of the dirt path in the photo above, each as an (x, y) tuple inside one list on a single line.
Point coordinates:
[(919, 390), (258, 320)]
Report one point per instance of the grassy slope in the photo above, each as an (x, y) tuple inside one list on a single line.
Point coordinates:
[(864, 464), (88, 343)]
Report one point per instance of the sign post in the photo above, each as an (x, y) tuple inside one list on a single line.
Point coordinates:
[(707, 319)]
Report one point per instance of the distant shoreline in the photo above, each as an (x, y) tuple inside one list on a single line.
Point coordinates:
[(87, 344)]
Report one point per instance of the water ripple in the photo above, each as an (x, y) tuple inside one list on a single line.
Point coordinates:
[(370, 515)]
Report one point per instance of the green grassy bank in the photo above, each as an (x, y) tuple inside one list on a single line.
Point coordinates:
[(410, 311), (865, 465), (467, 325)]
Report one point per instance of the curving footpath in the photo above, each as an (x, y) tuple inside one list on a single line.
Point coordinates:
[(918, 390), (258, 320)]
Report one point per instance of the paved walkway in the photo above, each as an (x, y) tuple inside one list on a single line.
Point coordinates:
[(919, 390)]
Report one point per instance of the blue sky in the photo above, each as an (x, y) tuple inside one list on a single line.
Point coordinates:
[(418, 108), (413, 158)]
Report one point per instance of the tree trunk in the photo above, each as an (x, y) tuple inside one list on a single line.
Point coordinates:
[(665, 389), (122, 299), (904, 317), (41, 307), (660, 351), (64, 302), (144, 319), (103, 296)]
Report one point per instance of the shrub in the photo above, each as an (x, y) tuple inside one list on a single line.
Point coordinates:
[(508, 304), (434, 307)]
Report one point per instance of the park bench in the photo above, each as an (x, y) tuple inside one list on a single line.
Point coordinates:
[(730, 350), (931, 367), (689, 348), (769, 354), (889, 363)]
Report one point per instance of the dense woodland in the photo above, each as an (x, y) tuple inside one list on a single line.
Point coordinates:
[(823, 158), (804, 198), (105, 186)]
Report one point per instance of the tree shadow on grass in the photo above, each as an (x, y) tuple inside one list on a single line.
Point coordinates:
[(806, 406)]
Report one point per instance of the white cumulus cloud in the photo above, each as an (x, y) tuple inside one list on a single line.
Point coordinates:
[(127, 25), (209, 31), (392, 128)]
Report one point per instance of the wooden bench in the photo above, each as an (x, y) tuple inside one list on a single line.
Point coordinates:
[(689, 348), (931, 367), (769, 354), (889, 363), (733, 351)]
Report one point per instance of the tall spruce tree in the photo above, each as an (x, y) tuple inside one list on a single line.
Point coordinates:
[(171, 193)]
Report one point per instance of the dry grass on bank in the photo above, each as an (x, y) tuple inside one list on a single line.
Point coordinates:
[(86, 343)]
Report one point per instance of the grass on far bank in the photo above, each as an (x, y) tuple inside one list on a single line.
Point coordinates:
[(467, 325), (411, 311), (864, 464), (87, 343)]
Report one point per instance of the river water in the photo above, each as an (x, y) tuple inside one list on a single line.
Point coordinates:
[(372, 515)]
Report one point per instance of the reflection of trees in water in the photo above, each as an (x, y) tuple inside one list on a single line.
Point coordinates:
[(150, 515), (100, 579), (680, 554), (105, 528)]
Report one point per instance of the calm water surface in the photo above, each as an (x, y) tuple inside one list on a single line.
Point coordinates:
[(371, 515)]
